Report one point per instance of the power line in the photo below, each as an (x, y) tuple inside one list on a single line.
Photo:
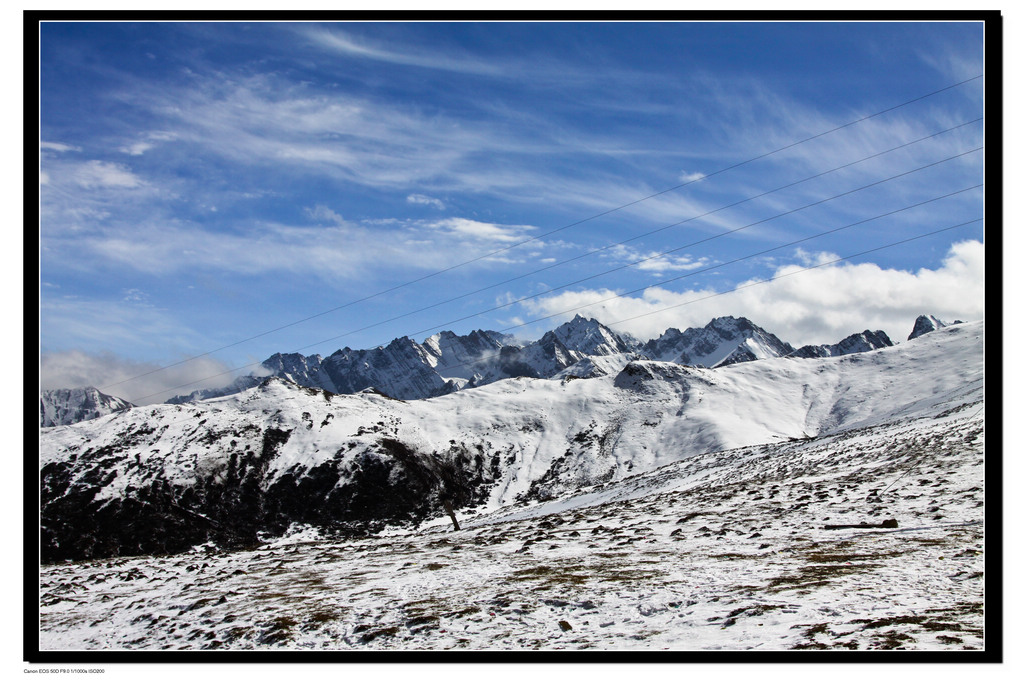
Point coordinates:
[(697, 272), (660, 310), (554, 231), (648, 258), (923, 457), (670, 251)]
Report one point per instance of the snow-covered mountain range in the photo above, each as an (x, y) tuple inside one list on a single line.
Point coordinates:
[(69, 405), (447, 362), (163, 478)]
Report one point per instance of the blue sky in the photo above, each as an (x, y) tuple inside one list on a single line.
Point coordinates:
[(202, 183)]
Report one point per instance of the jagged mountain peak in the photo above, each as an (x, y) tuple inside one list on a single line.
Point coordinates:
[(723, 341), (928, 323), (589, 336), (729, 322)]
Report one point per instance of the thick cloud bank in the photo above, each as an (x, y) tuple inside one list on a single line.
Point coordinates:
[(802, 306)]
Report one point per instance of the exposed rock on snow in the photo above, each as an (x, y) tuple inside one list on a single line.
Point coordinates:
[(446, 362)]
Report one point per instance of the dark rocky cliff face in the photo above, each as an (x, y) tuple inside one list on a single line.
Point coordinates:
[(83, 518)]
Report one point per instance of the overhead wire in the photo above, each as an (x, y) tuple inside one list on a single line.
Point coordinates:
[(547, 292), (652, 257), (617, 296), (559, 229), (646, 259), (696, 272), (663, 253)]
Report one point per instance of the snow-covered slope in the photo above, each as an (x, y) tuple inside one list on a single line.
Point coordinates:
[(237, 385), (723, 552), (230, 467), (58, 407)]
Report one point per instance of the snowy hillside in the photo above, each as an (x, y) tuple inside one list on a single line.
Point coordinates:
[(163, 478), (727, 551)]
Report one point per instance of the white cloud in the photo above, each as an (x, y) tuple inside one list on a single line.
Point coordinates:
[(812, 259), (822, 305), (137, 149), (135, 296), (690, 177), (425, 200), (148, 142), (474, 229), (654, 261)]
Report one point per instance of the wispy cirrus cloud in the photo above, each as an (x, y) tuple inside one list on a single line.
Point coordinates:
[(332, 249), (344, 43), (100, 174)]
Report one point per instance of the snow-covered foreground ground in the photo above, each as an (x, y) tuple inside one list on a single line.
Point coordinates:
[(721, 551)]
